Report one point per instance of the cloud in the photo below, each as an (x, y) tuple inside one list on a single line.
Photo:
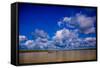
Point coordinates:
[(87, 42), (42, 43), (22, 38), (67, 22), (51, 45), (66, 19), (67, 39), (39, 43), (60, 23), (41, 39), (88, 31), (60, 42), (29, 44), (84, 21), (91, 41), (40, 33), (59, 34), (86, 24), (65, 33), (63, 37)]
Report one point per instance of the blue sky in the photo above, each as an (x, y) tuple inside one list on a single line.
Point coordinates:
[(46, 18)]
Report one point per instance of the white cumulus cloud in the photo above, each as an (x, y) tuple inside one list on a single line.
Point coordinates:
[(84, 21), (86, 24), (91, 41), (29, 44), (63, 37), (40, 33), (89, 30), (66, 19), (22, 38)]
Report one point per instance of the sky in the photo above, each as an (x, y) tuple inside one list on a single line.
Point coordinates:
[(40, 26)]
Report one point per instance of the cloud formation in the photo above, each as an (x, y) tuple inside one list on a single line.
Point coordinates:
[(67, 19), (67, 22), (65, 33), (65, 38), (40, 33), (22, 38), (41, 43), (91, 41), (84, 23), (29, 44)]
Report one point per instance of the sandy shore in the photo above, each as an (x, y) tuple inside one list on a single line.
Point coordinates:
[(56, 56)]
